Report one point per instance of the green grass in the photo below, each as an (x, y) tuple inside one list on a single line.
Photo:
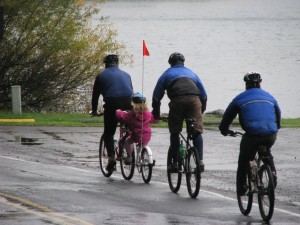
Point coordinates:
[(75, 119)]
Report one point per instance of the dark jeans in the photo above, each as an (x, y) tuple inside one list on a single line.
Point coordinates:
[(110, 120), (181, 108), (248, 149)]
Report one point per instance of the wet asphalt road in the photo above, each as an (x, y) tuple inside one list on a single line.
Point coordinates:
[(50, 175)]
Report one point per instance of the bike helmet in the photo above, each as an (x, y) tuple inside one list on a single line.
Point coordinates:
[(176, 58), (111, 59), (138, 98), (252, 77)]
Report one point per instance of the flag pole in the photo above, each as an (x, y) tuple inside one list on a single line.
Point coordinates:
[(143, 74), (145, 53)]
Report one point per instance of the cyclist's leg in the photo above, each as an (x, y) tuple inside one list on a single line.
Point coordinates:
[(175, 141), (110, 120), (129, 149), (247, 153), (110, 125), (198, 143), (193, 110), (175, 122), (129, 145), (268, 157)]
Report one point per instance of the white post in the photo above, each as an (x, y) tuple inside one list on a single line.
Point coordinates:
[(16, 99)]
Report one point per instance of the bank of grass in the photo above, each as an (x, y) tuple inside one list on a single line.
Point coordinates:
[(84, 120)]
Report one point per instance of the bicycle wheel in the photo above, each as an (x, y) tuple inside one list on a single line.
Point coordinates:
[(193, 174), (266, 195), (103, 158), (245, 201), (127, 170), (146, 167), (174, 179)]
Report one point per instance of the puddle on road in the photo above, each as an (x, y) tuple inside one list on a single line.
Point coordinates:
[(26, 141), (57, 137)]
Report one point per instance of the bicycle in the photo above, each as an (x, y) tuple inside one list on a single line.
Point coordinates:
[(189, 164), (144, 162), (260, 182)]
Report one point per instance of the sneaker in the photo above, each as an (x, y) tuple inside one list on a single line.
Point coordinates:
[(242, 189), (111, 164), (201, 166), (274, 179), (128, 160), (173, 167)]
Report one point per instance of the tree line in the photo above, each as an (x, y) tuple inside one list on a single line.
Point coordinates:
[(53, 51)]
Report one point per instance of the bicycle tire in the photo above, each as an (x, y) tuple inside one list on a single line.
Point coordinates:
[(266, 195), (193, 173), (174, 179), (127, 170), (245, 201), (103, 158), (146, 167)]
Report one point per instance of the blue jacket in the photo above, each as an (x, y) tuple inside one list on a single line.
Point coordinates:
[(178, 81), (259, 113), (111, 83)]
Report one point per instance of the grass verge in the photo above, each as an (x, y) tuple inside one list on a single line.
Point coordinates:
[(84, 120)]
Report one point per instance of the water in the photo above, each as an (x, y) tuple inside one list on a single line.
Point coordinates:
[(221, 40)]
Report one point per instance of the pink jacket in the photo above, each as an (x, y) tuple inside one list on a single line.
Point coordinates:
[(135, 124)]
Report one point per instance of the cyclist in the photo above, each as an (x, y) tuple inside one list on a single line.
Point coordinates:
[(116, 88), (187, 100), (138, 120), (259, 116)]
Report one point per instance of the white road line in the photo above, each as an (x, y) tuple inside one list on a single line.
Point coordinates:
[(117, 177)]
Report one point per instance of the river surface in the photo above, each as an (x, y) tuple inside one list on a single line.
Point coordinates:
[(221, 40)]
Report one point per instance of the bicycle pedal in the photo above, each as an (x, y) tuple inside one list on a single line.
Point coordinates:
[(153, 162)]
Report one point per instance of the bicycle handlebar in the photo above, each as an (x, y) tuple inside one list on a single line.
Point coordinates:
[(234, 133)]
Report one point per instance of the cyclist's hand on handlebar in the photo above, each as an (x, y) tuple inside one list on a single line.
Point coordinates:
[(228, 132), (234, 133), (231, 133), (224, 132)]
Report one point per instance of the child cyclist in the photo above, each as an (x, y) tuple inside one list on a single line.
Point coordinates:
[(138, 120)]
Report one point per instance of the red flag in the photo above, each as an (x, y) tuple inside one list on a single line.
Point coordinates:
[(145, 50)]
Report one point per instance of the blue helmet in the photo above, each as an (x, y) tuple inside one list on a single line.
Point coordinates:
[(138, 98)]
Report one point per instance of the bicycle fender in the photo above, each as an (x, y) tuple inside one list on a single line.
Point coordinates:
[(148, 149)]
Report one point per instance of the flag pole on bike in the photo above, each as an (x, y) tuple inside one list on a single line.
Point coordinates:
[(145, 53)]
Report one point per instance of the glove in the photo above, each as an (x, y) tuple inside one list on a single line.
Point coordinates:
[(156, 114), (224, 132)]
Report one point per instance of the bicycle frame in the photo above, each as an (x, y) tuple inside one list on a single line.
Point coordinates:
[(190, 164)]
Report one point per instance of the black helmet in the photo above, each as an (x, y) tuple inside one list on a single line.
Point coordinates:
[(111, 59), (252, 77), (138, 98), (176, 58)]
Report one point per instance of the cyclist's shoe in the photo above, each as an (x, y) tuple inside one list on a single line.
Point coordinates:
[(242, 189), (201, 166), (128, 160), (173, 167), (274, 179), (111, 164)]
